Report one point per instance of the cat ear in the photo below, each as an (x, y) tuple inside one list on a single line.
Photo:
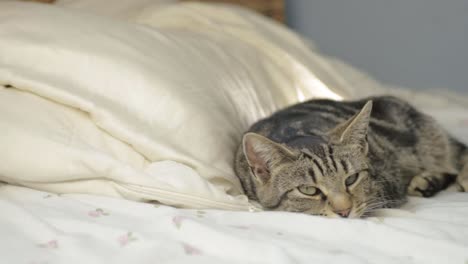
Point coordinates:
[(263, 154), (354, 130)]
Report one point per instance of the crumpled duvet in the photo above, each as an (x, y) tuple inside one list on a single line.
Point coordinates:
[(142, 109)]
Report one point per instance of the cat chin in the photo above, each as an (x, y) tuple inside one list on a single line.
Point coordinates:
[(352, 215)]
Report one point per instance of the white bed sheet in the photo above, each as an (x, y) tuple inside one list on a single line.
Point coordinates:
[(43, 228), (38, 227)]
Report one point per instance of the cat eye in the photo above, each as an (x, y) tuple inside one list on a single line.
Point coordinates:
[(351, 179), (309, 190)]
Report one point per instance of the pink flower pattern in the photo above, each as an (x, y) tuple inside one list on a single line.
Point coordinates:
[(191, 250), (126, 239), (177, 220), (52, 244), (97, 213)]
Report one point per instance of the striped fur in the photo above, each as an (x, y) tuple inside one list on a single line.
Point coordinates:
[(346, 159)]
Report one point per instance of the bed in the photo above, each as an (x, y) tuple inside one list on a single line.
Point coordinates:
[(116, 119)]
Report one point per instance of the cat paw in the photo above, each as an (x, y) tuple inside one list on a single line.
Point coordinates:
[(424, 186), (462, 179), (462, 185), (418, 187), (427, 184)]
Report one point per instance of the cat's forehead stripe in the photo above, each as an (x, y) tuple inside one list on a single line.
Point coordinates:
[(330, 152), (318, 166), (344, 165), (312, 175), (323, 154), (307, 153)]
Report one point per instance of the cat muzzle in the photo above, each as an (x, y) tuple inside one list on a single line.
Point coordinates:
[(343, 213)]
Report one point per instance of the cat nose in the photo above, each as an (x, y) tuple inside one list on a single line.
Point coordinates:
[(343, 213), (340, 204)]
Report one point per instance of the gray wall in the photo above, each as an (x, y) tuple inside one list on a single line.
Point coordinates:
[(415, 43)]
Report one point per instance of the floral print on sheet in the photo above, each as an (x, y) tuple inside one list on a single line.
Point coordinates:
[(200, 213), (47, 196), (191, 250), (97, 213), (177, 220), (125, 239), (51, 244)]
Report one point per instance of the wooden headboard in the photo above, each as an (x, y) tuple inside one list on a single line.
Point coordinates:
[(41, 1), (270, 8)]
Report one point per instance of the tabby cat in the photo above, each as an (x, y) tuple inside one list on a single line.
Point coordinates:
[(346, 159)]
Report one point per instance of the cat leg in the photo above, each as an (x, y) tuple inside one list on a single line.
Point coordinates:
[(427, 183), (462, 179)]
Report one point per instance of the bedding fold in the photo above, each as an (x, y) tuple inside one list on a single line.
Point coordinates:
[(105, 106)]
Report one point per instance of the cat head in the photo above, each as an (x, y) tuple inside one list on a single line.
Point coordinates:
[(329, 177)]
